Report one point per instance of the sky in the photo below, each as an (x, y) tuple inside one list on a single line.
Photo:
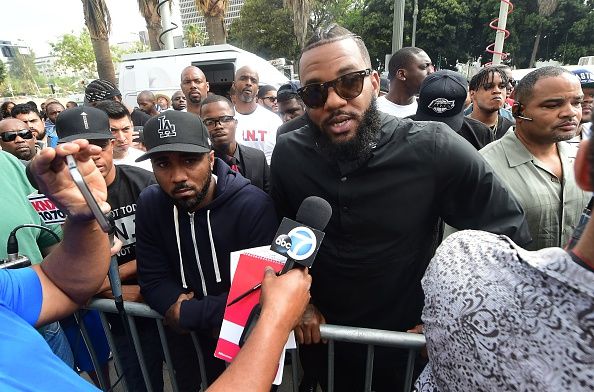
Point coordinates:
[(40, 22)]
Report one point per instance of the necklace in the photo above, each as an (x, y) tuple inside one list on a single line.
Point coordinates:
[(493, 128)]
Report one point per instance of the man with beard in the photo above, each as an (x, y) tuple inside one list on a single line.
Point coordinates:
[(219, 117), (195, 88), (186, 227), (388, 181), (536, 160), (178, 101), (16, 138), (256, 126), (488, 91), (30, 116)]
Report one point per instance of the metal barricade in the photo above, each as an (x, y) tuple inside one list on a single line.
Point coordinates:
[(134, 309), (331, 333), (372, 338)]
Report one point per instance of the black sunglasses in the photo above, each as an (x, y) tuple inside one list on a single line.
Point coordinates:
[(11, 136), (272, 99), (512, 82), (347, 87), (211, 122)]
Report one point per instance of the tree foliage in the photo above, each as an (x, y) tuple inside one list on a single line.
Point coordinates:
[(265, 27), (2, 72), (76, 52), (194, 36)]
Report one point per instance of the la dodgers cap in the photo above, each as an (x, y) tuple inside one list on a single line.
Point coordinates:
[(174, 131), (83, 122), (441, 98), (586, 77)]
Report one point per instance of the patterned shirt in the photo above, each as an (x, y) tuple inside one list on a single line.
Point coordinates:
[(552, 206), (501, 318)]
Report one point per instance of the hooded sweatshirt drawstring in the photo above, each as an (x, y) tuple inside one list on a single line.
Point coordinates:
[(181, 264), (196, 254), (215, 262)]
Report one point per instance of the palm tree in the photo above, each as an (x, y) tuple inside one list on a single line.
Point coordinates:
[(98, 22), (301, 11), (545, 9), (214, 18), (194, 36), (148, 10)]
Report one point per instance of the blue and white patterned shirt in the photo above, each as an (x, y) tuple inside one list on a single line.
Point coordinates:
[(501, 318)]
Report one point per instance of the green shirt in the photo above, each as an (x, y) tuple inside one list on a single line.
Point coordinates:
[(16, 210), (552, 207)]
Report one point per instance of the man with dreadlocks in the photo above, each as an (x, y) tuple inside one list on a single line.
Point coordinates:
[(488, 92), (388, 181)]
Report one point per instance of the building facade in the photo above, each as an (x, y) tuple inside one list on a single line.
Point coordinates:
[(190, 16)]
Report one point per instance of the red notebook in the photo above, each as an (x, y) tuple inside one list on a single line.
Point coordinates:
[(249, 272)]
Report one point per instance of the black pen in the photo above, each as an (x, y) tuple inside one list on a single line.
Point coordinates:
[(248, 292)]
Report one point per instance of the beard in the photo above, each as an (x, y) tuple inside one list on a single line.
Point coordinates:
[(360, 145), (246, 98), (190, 204)]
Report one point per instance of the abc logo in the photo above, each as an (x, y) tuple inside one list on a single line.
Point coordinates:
[(303, 243), (284, 241)]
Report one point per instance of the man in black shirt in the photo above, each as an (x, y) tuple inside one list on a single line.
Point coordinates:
[(124, 185), (388, 181)]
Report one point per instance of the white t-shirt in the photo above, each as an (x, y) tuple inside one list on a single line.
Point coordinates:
[(130, 159), (258, 130), (400, 111)]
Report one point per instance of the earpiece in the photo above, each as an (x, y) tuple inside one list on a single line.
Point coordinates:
[(517, 112)]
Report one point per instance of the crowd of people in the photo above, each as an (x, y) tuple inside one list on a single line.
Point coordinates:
[(503, 168)]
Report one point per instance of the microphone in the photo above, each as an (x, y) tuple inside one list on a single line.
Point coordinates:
[(300, 240), (314, 214)]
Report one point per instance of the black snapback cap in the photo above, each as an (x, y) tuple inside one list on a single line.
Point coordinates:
[(174, 131), (441, 98), (82, 122)]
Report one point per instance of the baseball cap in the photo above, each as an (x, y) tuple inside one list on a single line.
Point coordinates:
[(174, 131), (288, 90), (83, 122), (441, 98), (100, 90), (586, 77)]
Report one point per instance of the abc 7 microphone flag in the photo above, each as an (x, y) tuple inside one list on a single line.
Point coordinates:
[(297, 241)]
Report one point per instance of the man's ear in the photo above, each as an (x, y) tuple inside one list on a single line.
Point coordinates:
[(375, 82), (207, 86), (400, 74), (582, 165), (211, 158)]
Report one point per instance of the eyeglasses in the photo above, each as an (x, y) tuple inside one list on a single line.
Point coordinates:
[(347, 87), (512, 82), (11, 136), (272, 99), (212, 122)]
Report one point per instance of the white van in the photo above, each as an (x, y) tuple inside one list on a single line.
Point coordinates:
[(160, 71)]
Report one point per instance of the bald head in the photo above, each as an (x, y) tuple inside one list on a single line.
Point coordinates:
[(194, 86), (147, 102), (246, 84), (16, 138)]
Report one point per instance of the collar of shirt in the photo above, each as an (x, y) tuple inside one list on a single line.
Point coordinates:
[(517, 154)]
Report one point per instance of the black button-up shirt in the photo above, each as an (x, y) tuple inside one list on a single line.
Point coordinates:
[(385, 211)]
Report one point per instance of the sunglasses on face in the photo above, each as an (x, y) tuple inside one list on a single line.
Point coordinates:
[(272, 99), (347, 87), (211, 122), (512, 82), (11, 136)]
